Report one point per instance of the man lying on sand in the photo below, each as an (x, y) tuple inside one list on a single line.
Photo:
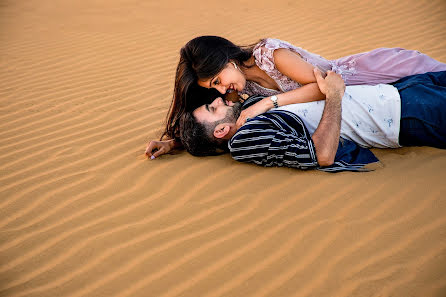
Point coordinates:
[(330, 135)]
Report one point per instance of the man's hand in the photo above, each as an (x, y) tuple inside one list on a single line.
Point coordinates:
[(332, 86)]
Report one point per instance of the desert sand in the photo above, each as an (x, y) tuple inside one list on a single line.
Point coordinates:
[(86, 84)]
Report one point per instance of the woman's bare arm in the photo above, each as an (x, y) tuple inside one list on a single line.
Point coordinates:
[(293, 66)]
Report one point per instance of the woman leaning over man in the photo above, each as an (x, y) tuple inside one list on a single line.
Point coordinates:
[(273, 68)]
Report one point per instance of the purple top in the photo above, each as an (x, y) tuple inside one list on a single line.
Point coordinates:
[(382, 65)]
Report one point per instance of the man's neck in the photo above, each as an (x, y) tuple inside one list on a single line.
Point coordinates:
[(232, 131)]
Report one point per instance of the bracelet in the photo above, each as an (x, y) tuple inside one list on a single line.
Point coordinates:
[(274, 100)]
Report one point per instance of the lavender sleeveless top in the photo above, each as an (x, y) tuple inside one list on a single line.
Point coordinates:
[(382, 65)]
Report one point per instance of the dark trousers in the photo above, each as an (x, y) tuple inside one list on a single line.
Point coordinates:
[(423, 109)]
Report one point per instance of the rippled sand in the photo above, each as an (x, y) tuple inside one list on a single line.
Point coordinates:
[(85, 84)]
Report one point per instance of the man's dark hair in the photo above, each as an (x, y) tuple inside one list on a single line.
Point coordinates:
[(198, 138)]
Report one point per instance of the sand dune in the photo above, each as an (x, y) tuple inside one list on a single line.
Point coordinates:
[(85, 85)]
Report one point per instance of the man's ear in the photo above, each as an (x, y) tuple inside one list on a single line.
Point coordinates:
[(221, 130)]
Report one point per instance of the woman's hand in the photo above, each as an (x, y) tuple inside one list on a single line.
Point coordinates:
[(260, 107), (155, 148)]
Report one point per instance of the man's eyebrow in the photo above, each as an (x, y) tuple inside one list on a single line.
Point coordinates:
[(207, 107)]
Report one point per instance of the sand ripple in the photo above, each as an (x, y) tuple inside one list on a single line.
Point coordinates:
[(85, 86)]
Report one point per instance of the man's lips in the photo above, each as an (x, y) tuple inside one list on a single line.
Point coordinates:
[(228, 103)]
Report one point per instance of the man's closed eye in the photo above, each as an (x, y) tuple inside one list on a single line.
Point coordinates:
[(211, 109)]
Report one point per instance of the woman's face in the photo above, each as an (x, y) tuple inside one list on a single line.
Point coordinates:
[(230, 79)]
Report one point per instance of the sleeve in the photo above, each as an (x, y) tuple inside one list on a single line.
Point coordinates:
[(263, 53), (352, 157), (276, 138)]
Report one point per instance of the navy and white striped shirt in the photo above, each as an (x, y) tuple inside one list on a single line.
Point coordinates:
[(280, 138)]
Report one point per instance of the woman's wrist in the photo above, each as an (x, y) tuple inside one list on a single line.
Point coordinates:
[(172, 143), (267, 103), (175, 144)]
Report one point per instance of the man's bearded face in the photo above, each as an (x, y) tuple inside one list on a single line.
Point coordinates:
[(219, 111)]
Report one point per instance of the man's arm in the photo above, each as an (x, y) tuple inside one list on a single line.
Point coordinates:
[(326, 136)]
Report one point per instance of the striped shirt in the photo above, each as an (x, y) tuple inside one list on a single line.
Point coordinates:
[(280, 138)]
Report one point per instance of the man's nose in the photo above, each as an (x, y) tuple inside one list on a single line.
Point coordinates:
[(218, 101)]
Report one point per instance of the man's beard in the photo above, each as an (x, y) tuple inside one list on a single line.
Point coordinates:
[(233, 113), (231, 116)]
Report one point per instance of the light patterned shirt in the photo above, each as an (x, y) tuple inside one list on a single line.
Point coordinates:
[(370, 115)]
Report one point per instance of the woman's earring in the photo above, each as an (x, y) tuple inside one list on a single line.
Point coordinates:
[(235, 65)]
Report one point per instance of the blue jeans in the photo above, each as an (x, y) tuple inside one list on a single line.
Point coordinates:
[(423, 109)]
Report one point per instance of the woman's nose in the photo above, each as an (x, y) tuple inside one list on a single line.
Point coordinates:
[(222, 89)]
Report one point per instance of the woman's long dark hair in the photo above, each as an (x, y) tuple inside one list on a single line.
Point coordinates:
[(200, 59)]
